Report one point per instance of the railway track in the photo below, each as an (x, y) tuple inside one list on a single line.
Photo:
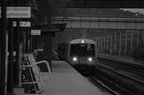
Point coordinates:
[(98, 82), (122, 79), (134, 68), (132, 71)]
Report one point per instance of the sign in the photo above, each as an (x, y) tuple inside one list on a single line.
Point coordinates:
[(22, 24), (18, 12), (35, 32)]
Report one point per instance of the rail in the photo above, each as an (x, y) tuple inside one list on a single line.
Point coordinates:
[(125, 71)]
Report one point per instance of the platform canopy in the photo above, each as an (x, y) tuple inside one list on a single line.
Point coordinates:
[(108, 3)]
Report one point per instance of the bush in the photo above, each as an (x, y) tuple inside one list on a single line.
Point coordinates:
[(138, 53)]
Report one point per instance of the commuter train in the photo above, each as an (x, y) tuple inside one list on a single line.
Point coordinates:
[(79, 53)]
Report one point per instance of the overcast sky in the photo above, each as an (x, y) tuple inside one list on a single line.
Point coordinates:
[(136, 10)]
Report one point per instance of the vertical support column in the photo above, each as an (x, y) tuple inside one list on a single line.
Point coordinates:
[(137, 38), (125, 42), (10, 63), (115, 43), (26, 47), (107, 41), (17, 52), (120, 43), (10, 80), (17, 68), (98, 43), (131, 40), (101, 43), (110, 43), (3, 72), (30, 40), (104, 43), (142, 36)]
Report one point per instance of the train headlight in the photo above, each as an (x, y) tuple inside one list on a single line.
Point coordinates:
[(74, 59), (90, 59), (82, 42)]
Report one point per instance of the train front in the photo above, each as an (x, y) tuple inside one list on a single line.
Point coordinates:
[(82, 56)]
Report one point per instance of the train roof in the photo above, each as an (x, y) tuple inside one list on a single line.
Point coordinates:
[(77, 41)]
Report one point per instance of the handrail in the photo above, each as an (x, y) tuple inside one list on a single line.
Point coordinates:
[(33, 61), (37, 79), (49, 70)]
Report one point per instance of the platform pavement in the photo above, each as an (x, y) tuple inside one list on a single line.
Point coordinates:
[(67, 81)]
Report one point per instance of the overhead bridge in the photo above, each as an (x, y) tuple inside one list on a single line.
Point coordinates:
[(108, 4), (101, 22)]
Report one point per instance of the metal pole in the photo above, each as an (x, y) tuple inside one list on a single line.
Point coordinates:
[(96, 42), (107, 40), (137, 38), (142, 36), (10, 63), (101, 43), (115, 42), (131, 40), (17, 69), (104, 42), (111, 40), (120, 43), (3, 49), (125, 42), (27, 40)]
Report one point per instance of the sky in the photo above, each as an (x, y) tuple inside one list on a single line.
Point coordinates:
[(136, 10)]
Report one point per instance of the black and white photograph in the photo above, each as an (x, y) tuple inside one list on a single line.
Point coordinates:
[(71, 47)]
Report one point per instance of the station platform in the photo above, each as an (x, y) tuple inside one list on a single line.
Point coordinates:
[(65, 80), (121, 58)]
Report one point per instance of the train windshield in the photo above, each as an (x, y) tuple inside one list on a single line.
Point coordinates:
[(82, 50)]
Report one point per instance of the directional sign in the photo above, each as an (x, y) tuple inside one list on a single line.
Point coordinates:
[(22, 23), (18, 12)]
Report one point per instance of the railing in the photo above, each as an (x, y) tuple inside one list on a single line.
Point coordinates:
[(31, 75)]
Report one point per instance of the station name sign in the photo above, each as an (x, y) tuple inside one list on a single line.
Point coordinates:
[(18, 12), (35, 32)]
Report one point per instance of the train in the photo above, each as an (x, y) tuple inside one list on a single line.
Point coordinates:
[(79, 53)]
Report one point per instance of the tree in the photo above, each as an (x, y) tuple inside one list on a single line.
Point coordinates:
[(50, 8)]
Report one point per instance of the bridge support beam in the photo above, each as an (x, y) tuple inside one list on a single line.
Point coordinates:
[(102, 22)]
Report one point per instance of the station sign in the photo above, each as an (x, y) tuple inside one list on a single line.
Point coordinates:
[(35, 32), (22, 23), (18, 12)]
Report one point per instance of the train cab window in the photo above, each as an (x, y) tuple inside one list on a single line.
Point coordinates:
[(74, 50), (82, 50), (90, 49)]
